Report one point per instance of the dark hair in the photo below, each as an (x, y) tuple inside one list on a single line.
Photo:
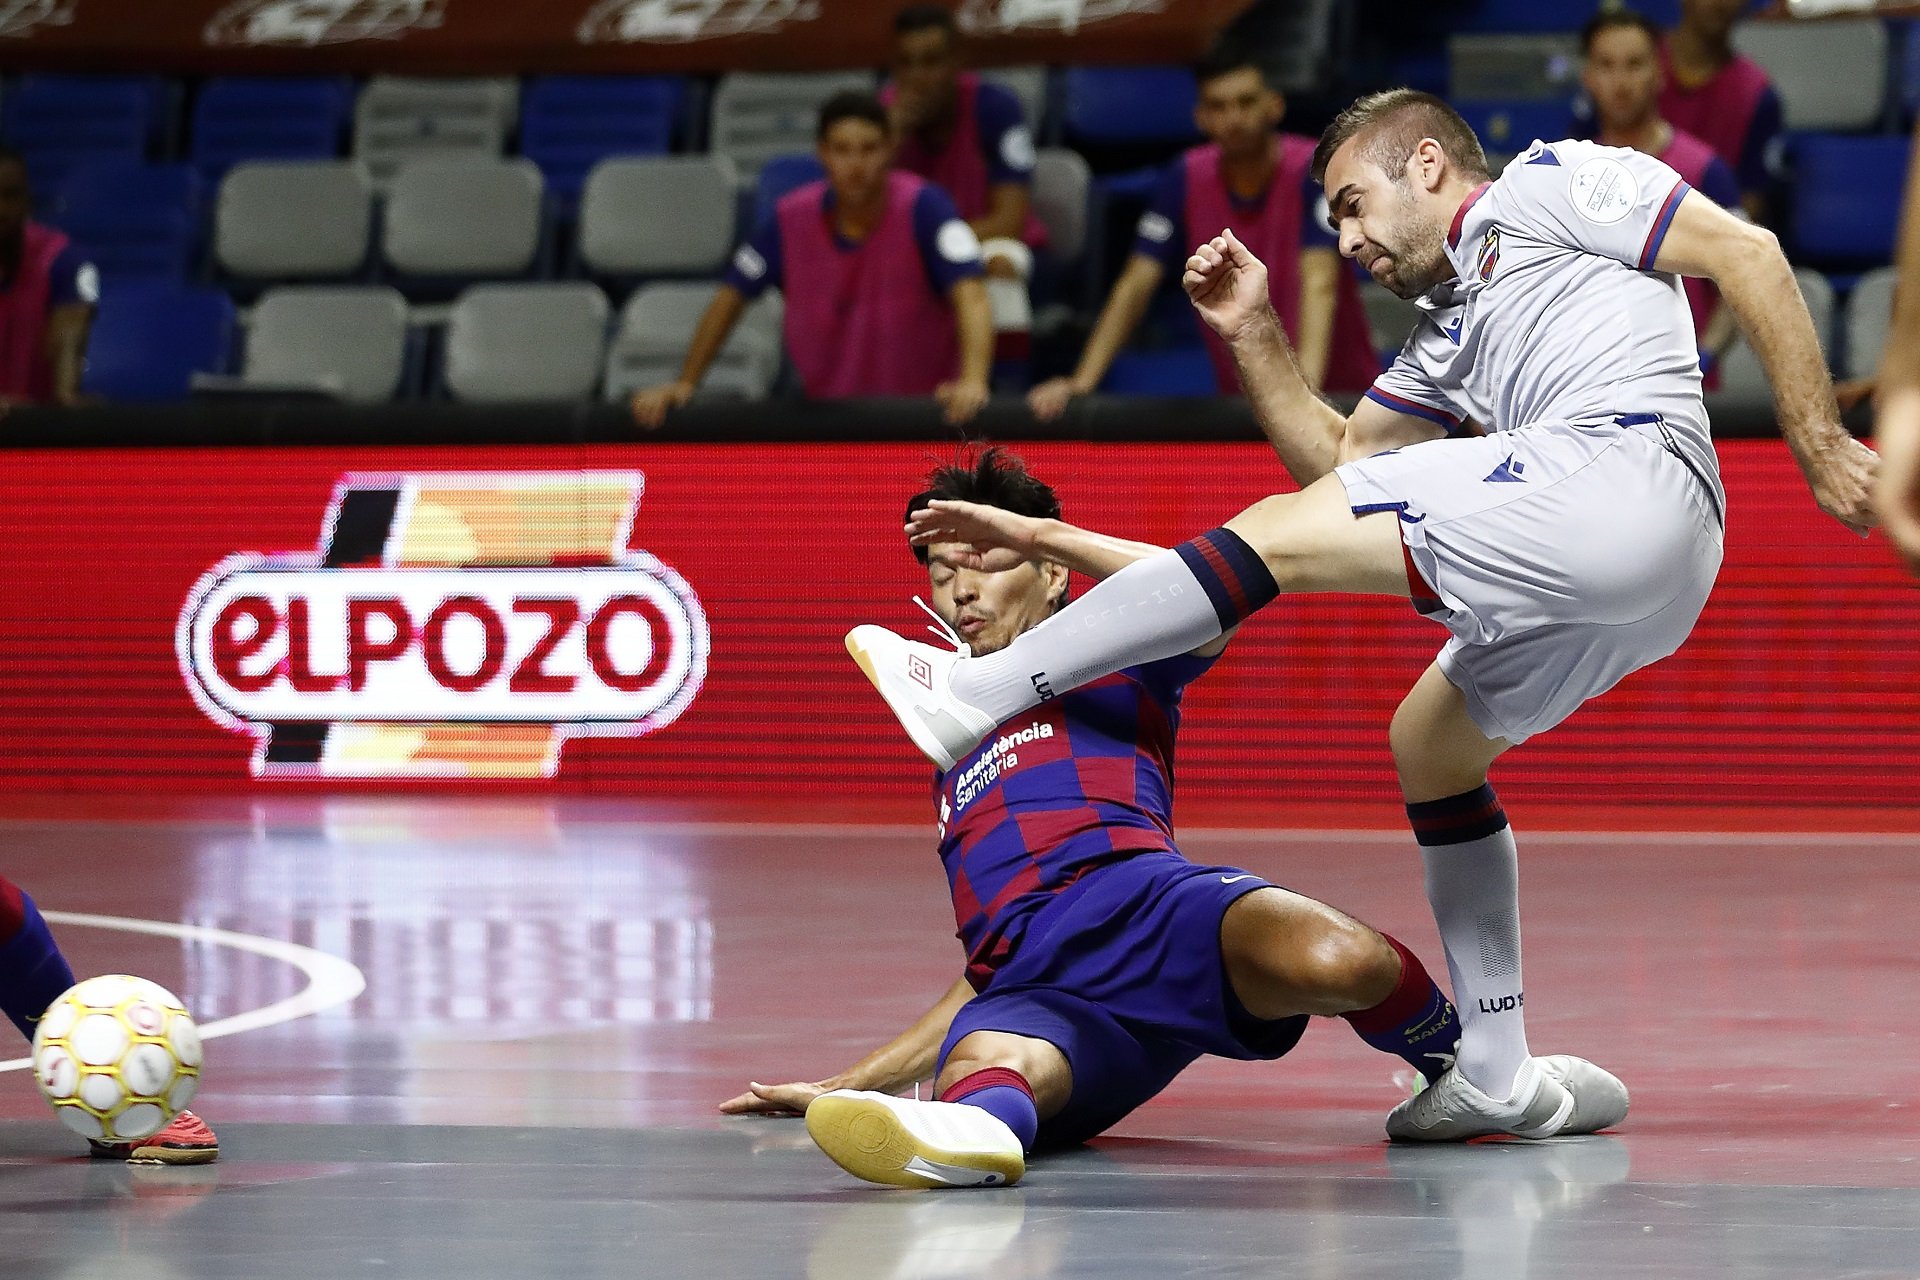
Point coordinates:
[(1609, 19), (995, 478), (1224, 60), (926, 17), (1395, 122), (851, 104)]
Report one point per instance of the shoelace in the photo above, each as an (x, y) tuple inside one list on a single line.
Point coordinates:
[(942, 631)]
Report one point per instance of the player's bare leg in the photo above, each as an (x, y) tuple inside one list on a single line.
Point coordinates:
[(1472, 878), (994, 1090), (1286, 955)]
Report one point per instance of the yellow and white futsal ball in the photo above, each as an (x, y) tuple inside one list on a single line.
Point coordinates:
[(118, 1057)]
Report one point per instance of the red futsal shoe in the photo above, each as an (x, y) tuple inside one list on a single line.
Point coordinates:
[(186, 1140)]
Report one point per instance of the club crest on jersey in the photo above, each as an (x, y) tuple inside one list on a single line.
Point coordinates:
[(1489, 255), (447, 625)]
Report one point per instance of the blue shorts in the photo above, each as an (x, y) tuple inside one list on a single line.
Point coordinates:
[(1123, 974)]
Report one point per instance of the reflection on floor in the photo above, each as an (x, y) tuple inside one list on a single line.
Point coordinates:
[(559, 993)]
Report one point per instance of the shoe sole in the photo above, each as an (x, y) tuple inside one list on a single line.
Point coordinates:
[(174, 1155), (922, 737), (867, 1139)]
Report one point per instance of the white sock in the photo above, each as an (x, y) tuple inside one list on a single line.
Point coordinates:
[(1154, 608), (1473, 886)]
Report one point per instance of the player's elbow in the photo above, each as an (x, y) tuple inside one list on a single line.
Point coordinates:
[(1750, 252)]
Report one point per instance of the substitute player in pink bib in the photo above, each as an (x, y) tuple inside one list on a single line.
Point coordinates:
[(1568, 536), (1258, 182), (1721, 97), (1622, 77), (880, 275), (47, 295)]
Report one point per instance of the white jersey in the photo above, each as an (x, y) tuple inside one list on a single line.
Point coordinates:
[(1556, 313)]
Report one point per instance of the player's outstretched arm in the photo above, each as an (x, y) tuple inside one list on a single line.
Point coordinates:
[(1896, 426), (907, 1059), (1756, 280), (651, 404), (1000, 539), (1228, 287)]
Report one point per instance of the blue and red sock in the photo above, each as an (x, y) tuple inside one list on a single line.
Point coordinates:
[(1232, 574), (1004, 1094), (1415, 1022), (33, 973)]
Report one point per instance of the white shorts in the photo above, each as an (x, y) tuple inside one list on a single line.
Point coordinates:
[(1563, 557)]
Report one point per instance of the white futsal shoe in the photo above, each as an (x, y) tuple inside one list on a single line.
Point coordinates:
[(1599, 1098), (915, 679), (1451, 1109), (902, 1142)]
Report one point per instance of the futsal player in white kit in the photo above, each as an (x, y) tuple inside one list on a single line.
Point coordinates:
[(1572, 543)]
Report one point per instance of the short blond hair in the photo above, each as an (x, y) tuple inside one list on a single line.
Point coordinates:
[(1395, 122)]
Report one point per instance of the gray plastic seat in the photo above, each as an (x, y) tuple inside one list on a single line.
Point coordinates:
[(1830, 75), (348, 340), (288, 220), (1391, 319), (463, 216), (1027, 83), (657, 324), (400, 118), (1743, 383), (660, 215), (759, 115), (524, 342), (1061, 179), (1869, 317)]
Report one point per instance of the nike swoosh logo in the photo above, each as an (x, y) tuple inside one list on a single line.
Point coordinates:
[(1235, 879)]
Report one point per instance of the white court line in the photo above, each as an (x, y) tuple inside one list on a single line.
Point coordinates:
[(330, 980)]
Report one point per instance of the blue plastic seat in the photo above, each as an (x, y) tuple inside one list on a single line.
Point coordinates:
[(240, 118), (1117, 105), (60, 122), (134, 220), (1175, 371), (568, 124), (1846, 198), (777, 177), (149, 338)]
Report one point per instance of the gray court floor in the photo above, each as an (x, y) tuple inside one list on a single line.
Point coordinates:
[(556, 997)]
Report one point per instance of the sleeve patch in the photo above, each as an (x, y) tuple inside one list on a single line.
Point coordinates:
[(957, 243), (1603, 190)]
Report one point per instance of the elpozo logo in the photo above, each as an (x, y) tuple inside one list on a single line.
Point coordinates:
[(447, 625), (19, 18), (681, 21), (309, 23)]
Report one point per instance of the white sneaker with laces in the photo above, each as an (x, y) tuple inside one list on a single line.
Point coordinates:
[(1452, 1110), (1599, 1098), (903, 1142), (915, 680)]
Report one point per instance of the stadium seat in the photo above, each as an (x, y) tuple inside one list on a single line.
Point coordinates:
[(240, 118), (1029, 84), (1743, 383), (61, 122), (568, 124), (1869, 316), (664, 215), (349, 340), (526, 342), (293, 219), (1846, 198), (1061, 181), (463, 216), (1505, 126), (1175, 371), (759, 115), (657, 324), (1391, 319), (1830, 75), (778, 176), (400, 119), (134, 220), (1109, 105), (150, 337)]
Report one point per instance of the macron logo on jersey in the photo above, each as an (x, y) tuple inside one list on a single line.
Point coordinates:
[(1507, 472)]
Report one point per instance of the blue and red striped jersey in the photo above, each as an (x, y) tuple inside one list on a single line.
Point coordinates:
[(1080, 781)]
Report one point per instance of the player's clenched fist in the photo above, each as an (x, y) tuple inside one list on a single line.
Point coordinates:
[(1227, 284)]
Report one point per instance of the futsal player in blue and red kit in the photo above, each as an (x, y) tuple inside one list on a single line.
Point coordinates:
[(33, 974), (1100, 962)]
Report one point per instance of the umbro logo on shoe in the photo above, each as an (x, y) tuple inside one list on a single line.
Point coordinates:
[(1508, 472), (921, 671)]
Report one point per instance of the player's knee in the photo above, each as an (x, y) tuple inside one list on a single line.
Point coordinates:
[(984, 1049), (1345, 966)]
